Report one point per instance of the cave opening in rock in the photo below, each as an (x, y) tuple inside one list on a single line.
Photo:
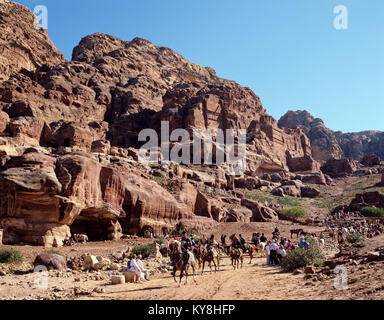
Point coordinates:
[(95, 229), (147, 232)]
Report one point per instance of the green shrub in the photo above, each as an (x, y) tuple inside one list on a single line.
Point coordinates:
[(193, 232), (159, 240), (144, 250), (373, 212), (10, 256), (294, 213), (298, 257), (355, 237), (180, 228)]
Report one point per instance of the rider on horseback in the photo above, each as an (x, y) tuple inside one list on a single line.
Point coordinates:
[(243, 243), (185, 241), (256, 238)]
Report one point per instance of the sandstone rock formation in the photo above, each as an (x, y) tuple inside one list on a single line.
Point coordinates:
[(328, 144), (50, 261), (371, 160), (339, 167), (323, 141), (21, 45), (367, 199), (69, 138)]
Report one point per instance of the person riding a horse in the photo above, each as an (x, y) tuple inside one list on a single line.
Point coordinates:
[(185, 241), (256, 238), (244, 245), (211, 243), (223, 240), (235, 242)]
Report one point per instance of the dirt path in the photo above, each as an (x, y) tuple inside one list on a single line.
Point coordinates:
[(254, 281)]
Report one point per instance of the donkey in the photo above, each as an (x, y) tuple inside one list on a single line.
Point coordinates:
[(181, 261)]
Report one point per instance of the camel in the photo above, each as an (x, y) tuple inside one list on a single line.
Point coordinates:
[(182, 260)]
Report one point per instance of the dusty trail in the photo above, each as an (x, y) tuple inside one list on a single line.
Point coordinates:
[(254, 281)]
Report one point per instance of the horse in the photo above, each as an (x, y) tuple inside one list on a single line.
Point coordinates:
[(210, 255), (256, 249), (181, 261), (297, 232), (198, 253), (236, 255)]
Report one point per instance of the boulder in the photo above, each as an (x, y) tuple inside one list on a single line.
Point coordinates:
[(313, 178), (287, 190), (297, 183), (371, 160), (51, 261), (260, 213), (239, 215), (309, 192), (117, 279), (101, 146), (382, 178), (309, 270), (339, 167), (90, 262)]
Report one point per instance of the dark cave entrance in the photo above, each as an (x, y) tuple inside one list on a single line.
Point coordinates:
[(97, 229), (147, 232)]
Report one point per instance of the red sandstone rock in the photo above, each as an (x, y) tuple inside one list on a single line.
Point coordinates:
[(339, 167)]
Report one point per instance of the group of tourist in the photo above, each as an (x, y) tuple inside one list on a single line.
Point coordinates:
[(365, 228), (342, 216)]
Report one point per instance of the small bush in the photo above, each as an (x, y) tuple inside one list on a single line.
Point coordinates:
[(144, 250), (160, 240), (180, 228), (355, 237), (294, 213), (298, 257), (10, 256), (373, 212)]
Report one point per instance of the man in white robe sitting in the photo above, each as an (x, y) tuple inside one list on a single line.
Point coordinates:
[(141, 266), (134, 267)]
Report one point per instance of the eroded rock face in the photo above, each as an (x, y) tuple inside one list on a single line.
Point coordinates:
[(328, 144), (43, 197), (69, 138), (23, 52), (323, 141), (339, 167), (260, 213), (371, 160), (367, 199)]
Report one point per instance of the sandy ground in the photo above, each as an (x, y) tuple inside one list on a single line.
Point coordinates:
[(255, 281)]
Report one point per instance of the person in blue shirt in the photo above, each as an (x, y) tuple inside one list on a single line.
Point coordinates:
[(302, 242)]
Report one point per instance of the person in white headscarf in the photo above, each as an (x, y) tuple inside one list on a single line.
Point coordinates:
[(134, 267), (141, 266)]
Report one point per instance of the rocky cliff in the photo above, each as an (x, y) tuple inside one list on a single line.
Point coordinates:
[(328, 144), (21, 45), (69, 137)]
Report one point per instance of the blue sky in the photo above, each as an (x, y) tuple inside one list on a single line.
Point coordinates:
[(287, 51)]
